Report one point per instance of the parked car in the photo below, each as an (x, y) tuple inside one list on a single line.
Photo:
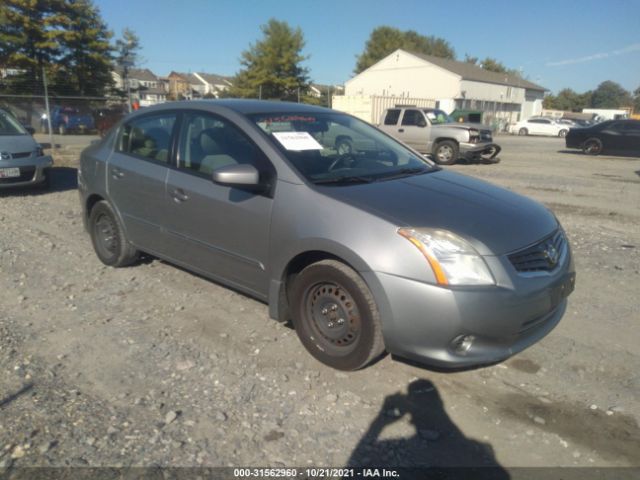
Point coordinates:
[(540, 126), (609, 136), (71, 120), (431, 131), (364, 252), (22, 161)]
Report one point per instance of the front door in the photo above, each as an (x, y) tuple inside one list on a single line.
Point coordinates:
[(413, 129), (221, 231)]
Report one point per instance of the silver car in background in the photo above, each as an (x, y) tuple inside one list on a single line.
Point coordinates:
[(365, 251), (22, 162)]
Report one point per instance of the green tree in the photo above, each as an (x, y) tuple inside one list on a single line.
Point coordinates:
[(610, 95), (127, 55), (384, 40), (29, 33), (273, 65), (86, 61), (567, 100)]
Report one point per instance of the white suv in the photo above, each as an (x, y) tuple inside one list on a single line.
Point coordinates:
[(540, 126)]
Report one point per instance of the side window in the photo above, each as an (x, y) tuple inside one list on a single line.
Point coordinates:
[(632, 127), (412, 117), (392, 117), (208, 143), (535, 120), (148, 137)]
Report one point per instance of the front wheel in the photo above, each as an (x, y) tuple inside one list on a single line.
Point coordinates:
[(335, 316), (562, 133), (523, 131), (109, 240), (446, 152), (592, 146)]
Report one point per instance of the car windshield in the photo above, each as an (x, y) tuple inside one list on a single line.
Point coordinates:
[(10, 126), (336, 149), (437, 117)]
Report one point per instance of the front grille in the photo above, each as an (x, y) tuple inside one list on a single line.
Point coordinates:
[(544, 256), (26, 175), (21, 155)]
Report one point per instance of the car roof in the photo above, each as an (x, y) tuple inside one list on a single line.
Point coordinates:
[(242, 106)]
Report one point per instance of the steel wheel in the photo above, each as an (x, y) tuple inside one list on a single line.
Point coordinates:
[(109, 241), (562, 133), (523, 131), (335, 315)]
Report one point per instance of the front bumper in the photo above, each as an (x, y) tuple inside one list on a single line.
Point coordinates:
[(424, 322), (32, 171), (482, 151)]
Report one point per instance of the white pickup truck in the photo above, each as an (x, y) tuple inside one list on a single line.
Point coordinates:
[(431, 131)]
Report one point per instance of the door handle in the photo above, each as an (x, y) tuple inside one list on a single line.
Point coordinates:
[(401, 130), (117, 173), (179, 196)]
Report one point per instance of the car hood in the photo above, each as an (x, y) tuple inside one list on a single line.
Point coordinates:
[(17, 143), (494, 220)]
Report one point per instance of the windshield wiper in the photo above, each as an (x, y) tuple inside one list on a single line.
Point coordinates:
[(343, 179), (405, 172)]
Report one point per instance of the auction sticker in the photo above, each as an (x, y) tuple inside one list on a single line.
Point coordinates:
[(297, 141)]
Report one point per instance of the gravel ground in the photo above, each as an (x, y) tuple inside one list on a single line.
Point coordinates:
[(152, 365)]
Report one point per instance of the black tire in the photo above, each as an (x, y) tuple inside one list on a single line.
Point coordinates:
[(563, 133), (344, 146), (523, 131), (335, 316), (46, 183), (107, 235), (446, 152), (592, 146)]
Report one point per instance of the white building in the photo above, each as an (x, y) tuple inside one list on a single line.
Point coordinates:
[(449, 85), (145, 87)]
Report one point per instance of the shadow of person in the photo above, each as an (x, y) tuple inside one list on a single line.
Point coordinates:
[(437, 441)]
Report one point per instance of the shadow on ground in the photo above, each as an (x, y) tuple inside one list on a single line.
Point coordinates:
[(61, 180), (437, 441)]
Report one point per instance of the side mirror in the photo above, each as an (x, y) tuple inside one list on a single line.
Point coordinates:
[(236, 175)]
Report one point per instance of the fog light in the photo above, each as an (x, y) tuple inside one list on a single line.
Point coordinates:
[(462, 343)]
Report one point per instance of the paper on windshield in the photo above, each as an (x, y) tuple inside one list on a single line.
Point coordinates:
[(297, 141)]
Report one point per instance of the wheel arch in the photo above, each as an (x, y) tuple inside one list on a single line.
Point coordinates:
[(442, 139), (283, 278)]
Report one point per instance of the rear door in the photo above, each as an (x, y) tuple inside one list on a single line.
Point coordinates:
[(631, 132), (218, 230), (136, 177)]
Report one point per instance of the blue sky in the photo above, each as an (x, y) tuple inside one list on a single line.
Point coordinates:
[(561, 43)]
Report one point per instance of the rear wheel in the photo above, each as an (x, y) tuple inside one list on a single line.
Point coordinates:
[(446, 152), (335, 316), (592, 146), (107, 235), (523, 131)]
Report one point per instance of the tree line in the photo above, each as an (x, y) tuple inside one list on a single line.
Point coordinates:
[(607, 95)]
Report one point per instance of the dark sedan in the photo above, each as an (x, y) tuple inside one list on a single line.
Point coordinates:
[(609, 136)]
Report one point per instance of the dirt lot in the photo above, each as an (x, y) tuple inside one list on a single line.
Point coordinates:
[(152, 365)]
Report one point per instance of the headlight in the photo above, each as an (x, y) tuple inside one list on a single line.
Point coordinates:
[(453, 260)]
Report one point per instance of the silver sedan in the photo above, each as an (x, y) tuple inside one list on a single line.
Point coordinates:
[(368, 250)]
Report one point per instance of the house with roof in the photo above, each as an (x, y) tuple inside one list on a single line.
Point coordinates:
[(212, 84), (145, 87), (446, 84)]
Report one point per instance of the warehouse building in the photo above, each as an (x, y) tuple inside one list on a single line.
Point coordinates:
[(424, 80)]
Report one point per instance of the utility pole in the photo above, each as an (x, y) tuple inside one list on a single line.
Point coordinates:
[(46, 103), (260, 92)]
